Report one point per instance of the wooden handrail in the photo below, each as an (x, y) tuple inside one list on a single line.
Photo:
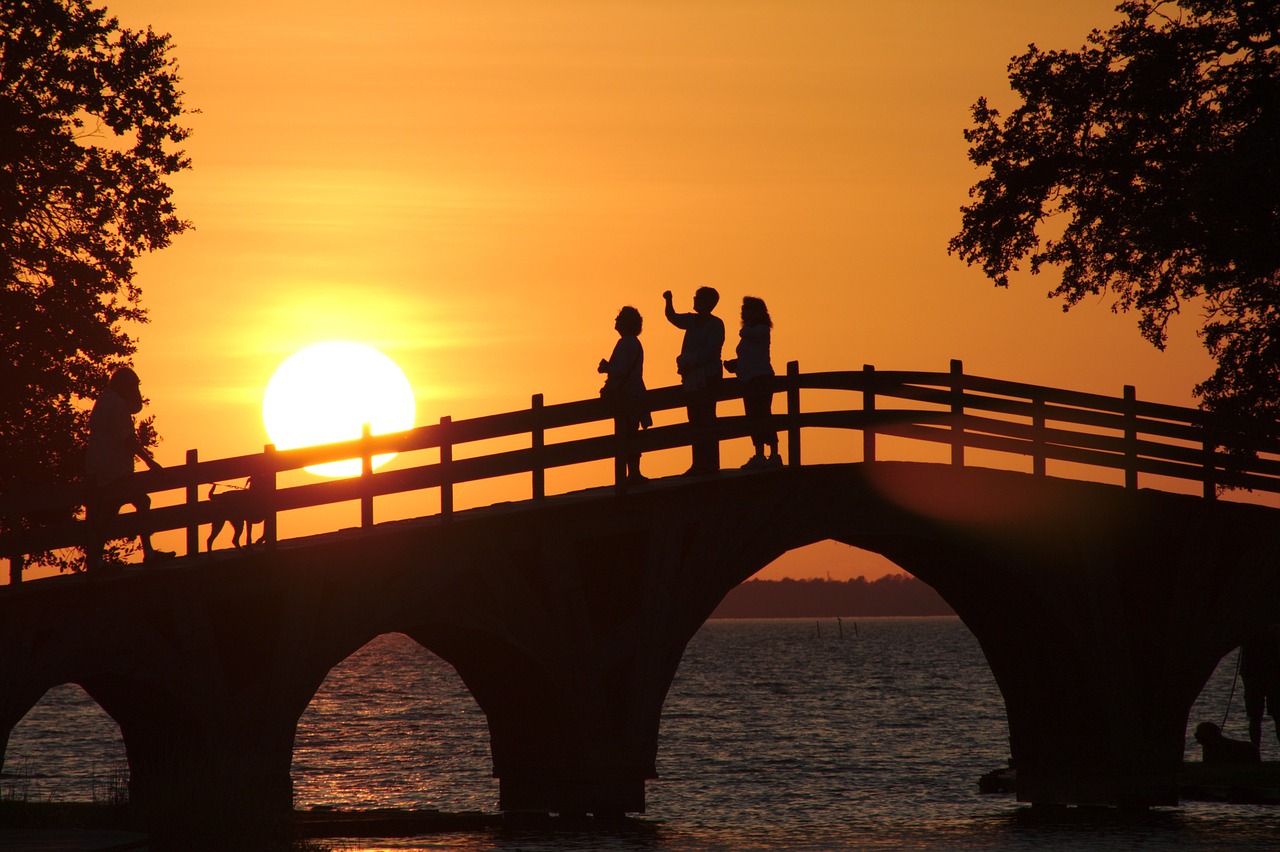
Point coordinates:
[(953, 408)]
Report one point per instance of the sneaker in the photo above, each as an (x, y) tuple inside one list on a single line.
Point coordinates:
[(754, 462), (775, 460)]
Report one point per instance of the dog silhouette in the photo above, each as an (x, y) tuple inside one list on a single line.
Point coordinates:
[(1220, 749), (241, 508)]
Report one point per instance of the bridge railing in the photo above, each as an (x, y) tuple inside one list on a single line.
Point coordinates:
[(1120, 433), (966, 413)]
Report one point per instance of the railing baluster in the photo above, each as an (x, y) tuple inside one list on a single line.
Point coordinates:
[(1038, 433), (538, 443), (621, 446), (446, 456), (1210, 465), (957, 413), (1130, 437), (868, 409), (366, 476), (793, 413), (193, 497), (270, 529), (15, 569)]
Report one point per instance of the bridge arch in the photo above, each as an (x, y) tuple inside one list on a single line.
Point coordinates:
[(1102, 611), (65, 748), (393, 725)]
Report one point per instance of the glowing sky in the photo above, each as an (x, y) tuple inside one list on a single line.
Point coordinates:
[(476, 188)]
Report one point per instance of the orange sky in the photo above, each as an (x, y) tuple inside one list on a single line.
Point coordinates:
[(475, 189)]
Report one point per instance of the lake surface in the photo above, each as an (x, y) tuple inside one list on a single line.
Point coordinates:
[(792, 734)]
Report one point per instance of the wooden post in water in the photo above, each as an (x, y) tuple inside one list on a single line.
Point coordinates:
[(538, 442), (366, 476), (193, 497)]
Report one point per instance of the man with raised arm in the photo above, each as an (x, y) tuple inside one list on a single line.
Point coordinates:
[(700, 370)]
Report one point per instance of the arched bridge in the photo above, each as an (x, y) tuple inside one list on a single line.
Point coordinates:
[(1102, 607)]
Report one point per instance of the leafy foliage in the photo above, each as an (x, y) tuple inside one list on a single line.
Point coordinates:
[(88, 136), (1146, 166)]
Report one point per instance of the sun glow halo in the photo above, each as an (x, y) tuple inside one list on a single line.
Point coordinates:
[(327, 392)]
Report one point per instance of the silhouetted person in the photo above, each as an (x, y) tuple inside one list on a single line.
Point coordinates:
[(700, 370), (1260, 671), (113, 445), (1217, 748), (624, 385), (754, 369)]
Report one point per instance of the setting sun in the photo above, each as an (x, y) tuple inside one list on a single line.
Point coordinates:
[(327, 392)]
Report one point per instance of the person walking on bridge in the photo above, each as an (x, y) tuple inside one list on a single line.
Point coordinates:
[(109, 460), (700, 370)]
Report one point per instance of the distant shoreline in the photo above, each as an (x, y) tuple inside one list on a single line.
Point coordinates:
[(890, 595)]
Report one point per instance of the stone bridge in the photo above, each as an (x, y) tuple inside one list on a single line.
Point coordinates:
[(1102, 609)]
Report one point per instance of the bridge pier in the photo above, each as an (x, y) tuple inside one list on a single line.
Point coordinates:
[(205, 674), (567, 735), (207, 766), (1102, 617), (551, 757), (563, 630), (552, 751), (210, 750), (1097, 714), (190, 782)]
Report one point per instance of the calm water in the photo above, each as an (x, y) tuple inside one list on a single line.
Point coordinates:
[(776, 735)]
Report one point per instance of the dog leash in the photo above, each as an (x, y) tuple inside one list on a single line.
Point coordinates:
[(1232, 693)]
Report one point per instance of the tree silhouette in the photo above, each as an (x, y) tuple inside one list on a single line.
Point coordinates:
[(1147, 167), (88, 135)]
